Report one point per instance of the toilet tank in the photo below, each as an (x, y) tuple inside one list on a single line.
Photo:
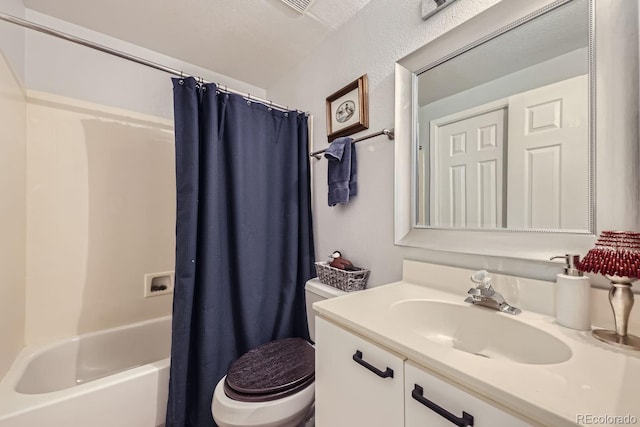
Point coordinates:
[(317, 291)]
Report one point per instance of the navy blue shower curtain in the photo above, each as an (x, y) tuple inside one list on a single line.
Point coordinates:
[(244, 242)]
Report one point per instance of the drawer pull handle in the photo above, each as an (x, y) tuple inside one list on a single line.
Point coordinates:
[(388, 373), (465, 421)]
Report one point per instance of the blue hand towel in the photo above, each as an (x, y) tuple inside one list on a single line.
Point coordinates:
[(342, 173)]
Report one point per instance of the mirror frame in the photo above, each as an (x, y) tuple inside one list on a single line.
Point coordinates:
[(613, 132)]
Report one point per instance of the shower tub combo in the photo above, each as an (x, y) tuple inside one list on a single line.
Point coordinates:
[(115, 377)]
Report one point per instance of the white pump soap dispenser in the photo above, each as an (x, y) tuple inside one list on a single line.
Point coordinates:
[(573, 295)]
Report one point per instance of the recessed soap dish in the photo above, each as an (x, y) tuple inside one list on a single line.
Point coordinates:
[(158, 284)]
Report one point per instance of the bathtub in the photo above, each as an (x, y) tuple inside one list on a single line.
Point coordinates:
[(112, 378)]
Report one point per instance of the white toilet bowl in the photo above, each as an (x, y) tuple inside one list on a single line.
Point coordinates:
[(232, 404), (289, 411)]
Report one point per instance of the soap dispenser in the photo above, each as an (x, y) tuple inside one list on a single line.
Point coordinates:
[(573, 295)]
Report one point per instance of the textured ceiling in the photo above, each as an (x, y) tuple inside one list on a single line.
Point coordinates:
[(250, 40)]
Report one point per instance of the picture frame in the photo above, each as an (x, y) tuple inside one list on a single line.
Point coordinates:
[(348, 109)]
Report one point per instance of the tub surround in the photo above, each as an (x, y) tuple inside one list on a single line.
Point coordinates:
[(13, 210), (101, 180), (597, 379)]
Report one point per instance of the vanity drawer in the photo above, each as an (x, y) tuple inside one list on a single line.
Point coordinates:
[(357, 382), (423, 390)]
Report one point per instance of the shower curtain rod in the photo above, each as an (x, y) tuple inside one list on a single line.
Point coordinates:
[(68, 37)]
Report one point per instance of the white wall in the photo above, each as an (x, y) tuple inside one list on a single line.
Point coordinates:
[(12, 189), (12, 37), (63, 68)]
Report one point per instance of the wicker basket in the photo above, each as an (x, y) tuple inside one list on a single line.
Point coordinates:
[(344, 280)]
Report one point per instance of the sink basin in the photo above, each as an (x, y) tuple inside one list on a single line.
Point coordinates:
[(480, 331)]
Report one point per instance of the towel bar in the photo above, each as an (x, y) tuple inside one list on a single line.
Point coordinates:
[(385, 131)]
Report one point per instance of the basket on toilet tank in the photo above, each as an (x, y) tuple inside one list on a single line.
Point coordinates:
[(342, 279)]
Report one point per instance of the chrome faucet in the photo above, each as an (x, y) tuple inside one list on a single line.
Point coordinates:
[(483, 294)]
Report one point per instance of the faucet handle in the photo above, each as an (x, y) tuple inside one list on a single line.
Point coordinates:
[(474, 292), (480, 292), (482, 279)]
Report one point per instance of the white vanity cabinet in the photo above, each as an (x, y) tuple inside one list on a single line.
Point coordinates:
[(361, 384), (430, 401), (357, 382)]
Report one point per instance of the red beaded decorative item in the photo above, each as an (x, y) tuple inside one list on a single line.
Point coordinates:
[(616, 253)]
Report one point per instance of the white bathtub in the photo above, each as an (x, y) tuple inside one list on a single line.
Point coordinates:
[(112, 378)]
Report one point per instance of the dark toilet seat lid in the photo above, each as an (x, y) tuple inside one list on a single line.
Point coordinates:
[(271, 371)]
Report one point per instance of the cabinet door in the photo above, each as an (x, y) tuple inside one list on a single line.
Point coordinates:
[(426, 396), (357, 382)]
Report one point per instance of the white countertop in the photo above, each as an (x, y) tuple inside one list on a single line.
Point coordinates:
[(598, 379)]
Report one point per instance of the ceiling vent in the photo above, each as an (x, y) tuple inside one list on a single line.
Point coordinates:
[(299, 5)]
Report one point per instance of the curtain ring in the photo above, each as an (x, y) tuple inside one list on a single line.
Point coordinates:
[(249, 100), (270, 105)]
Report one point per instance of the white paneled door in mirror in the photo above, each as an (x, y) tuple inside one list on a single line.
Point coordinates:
[(467, 159), (548, 171)]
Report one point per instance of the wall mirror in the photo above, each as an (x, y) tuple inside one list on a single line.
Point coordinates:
[(503, 130), (496, 129)]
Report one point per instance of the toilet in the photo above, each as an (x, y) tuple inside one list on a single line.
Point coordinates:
[(273, 385)]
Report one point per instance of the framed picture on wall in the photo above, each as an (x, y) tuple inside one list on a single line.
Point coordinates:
[(348, 109)]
